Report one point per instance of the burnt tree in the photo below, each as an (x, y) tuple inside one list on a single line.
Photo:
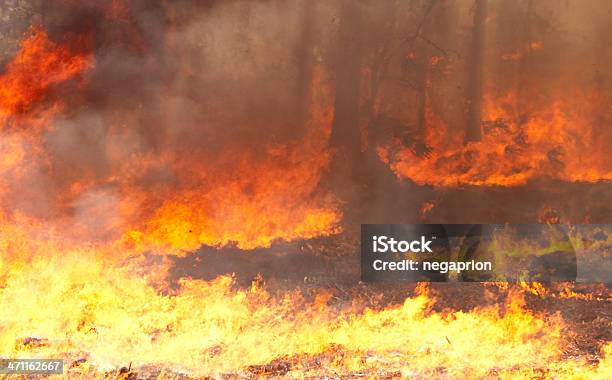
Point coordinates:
[(346, 137), (475, 74), (304, 59)]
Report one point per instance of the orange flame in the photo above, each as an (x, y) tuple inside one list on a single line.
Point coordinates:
[(255, 200), (39, 65), (564, 140), (246, 198), (61, 297)]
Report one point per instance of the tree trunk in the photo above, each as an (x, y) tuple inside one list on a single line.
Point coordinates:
[(346, 136), (473, 132), (524, 69), (304, 60)]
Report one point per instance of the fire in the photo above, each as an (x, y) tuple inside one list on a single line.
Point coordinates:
[(77, 308), (105, 316), (39, 65), (245, 197), (562, 140), (257, 198), (73, 283)]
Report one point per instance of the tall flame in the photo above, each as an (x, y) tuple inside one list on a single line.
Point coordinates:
[(254, 200), (242, 197), (39, 65)]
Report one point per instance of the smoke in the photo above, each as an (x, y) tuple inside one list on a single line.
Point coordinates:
[(185, 124)]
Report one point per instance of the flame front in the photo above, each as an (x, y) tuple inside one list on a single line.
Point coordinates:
[(70, 306)]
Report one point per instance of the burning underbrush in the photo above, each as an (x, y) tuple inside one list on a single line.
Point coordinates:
[(122, 152), (171, 200), (101, 318), (564, 140)]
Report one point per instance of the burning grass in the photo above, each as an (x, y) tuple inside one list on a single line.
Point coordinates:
[(108, 316), (100, 316), (74, 302)]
